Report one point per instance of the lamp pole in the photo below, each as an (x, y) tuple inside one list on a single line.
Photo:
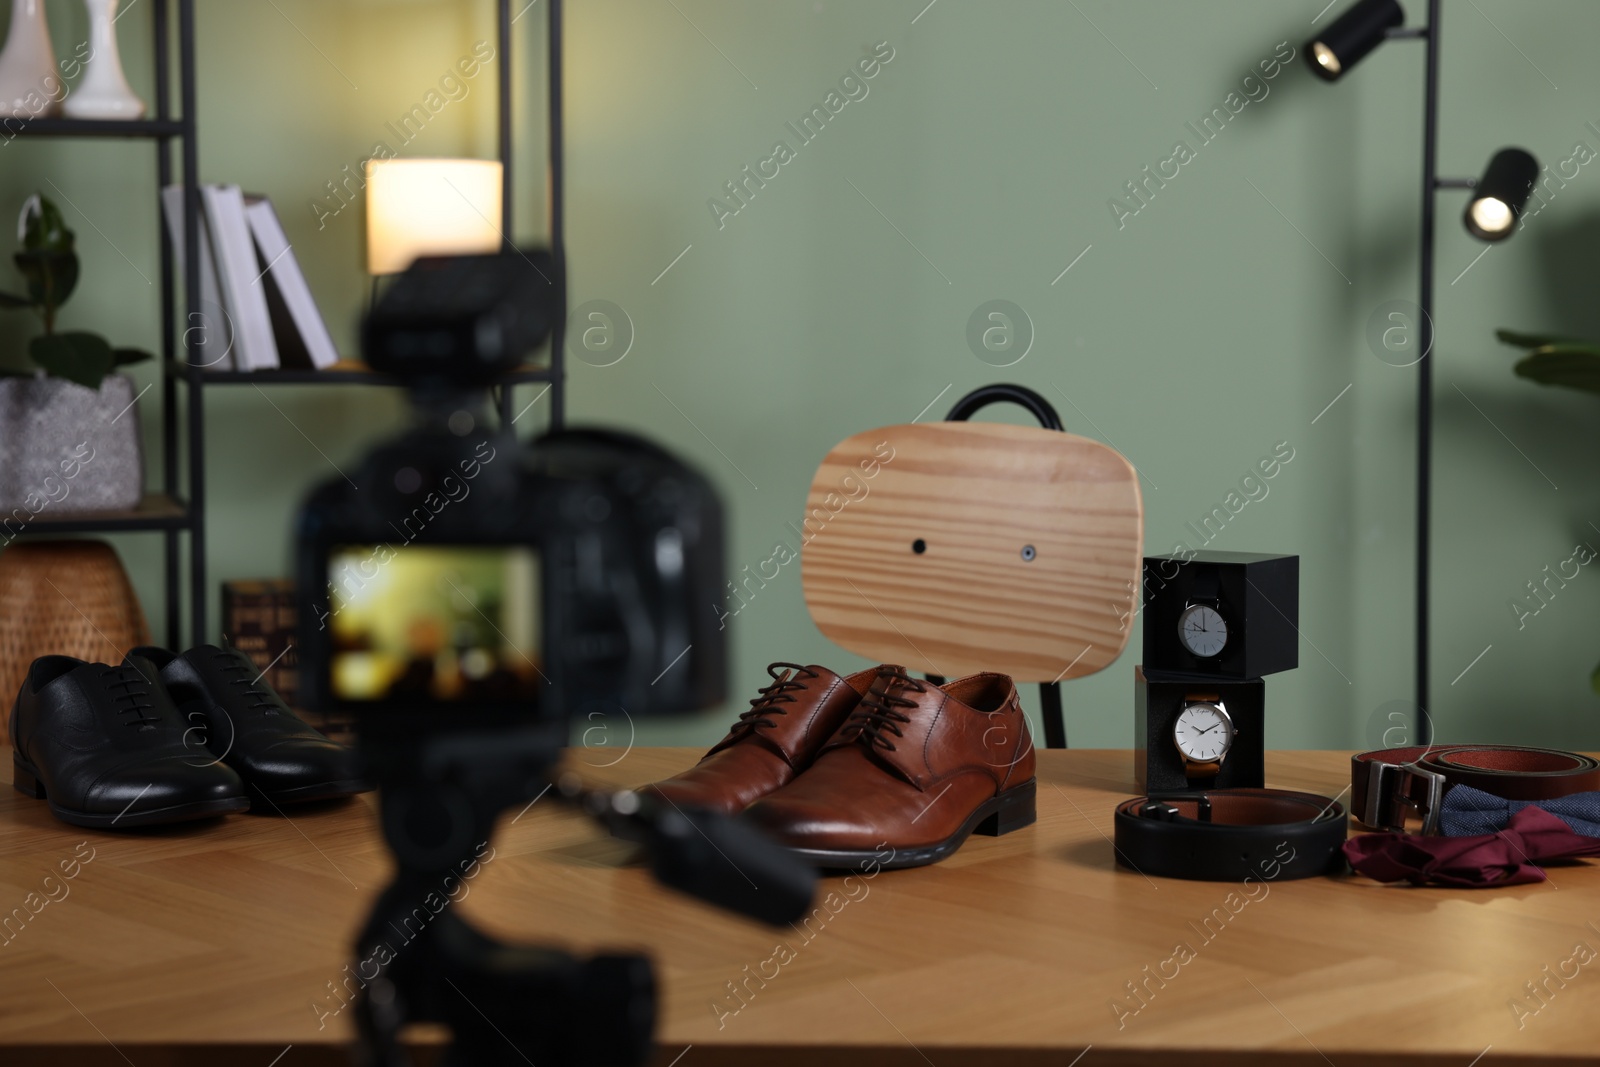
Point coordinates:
[(1493, 214), (1431, 184), (1430, 189)]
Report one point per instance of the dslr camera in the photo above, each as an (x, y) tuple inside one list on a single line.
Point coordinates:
[(463, 596)]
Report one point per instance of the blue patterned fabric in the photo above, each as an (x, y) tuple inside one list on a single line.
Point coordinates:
[(1467, 812)]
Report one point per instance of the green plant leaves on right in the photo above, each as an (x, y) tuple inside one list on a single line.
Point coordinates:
[(1518, 339), (1574, 364), (80, 357)]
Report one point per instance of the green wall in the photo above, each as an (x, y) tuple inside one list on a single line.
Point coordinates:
[(1196, 335)]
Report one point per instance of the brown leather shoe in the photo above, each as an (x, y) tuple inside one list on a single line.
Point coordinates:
[(785, 728), (913, 771)]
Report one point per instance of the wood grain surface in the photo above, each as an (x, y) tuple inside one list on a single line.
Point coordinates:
[(216, 943), (975, 495)]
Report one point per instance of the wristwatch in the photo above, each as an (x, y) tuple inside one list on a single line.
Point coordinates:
[(1203, 733), (1202, 629)]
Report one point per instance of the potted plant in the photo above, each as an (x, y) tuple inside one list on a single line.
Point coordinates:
[(69, 431), (1552, 360)]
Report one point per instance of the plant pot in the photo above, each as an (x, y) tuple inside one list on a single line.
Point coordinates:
[(67, 449)]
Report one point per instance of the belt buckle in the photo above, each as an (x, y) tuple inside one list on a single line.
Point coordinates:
[(1393, 787)]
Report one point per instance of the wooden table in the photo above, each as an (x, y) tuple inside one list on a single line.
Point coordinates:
[(216, 944)]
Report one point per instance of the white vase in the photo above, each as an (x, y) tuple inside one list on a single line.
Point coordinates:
[(104, 92), (30, 87)]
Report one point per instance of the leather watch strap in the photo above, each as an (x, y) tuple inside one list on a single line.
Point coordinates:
[(1201, 775), (1388, 784), (1229, 835)]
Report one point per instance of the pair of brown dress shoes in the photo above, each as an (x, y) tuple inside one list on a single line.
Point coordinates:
[(874, 768)]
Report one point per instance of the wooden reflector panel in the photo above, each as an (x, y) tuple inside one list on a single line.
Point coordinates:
[(955, 547)]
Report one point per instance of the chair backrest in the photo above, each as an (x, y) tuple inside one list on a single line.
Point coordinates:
[(954, 547)]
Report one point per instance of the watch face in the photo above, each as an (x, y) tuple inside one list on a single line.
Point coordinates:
[(1202, 630), (1203, 732)]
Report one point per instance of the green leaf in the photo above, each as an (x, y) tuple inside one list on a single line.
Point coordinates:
[(1529, 340), (43, 228), (124, 357), (1576, 366), (79, 357), (52, 276), (9, 301), (1594, 680)]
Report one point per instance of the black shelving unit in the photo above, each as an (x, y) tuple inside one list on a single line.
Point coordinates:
[(346, 375), (167, 511)]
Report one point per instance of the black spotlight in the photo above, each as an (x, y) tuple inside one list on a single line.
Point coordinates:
[(1500, 195), (1355, 33)]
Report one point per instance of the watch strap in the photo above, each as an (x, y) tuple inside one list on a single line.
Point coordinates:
[(1204, 582), (1201, 775), (1229, 835)]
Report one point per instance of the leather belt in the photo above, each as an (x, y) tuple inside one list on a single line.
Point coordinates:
[(1232, 835), (1389, 783)]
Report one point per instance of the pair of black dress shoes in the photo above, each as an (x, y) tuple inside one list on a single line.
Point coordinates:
[(165, 738)]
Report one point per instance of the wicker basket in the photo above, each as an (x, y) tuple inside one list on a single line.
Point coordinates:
[(67, 598)]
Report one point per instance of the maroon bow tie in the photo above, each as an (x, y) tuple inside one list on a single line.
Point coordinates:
[(1532, 839)]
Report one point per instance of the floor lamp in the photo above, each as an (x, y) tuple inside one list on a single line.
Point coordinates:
[(1493, 210)]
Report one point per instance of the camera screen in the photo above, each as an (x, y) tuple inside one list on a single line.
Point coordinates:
[(435, 624)]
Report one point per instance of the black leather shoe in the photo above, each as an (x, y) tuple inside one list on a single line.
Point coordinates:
[(108, 750), (245, 724)]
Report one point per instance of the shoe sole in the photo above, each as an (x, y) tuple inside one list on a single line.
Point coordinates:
[(261, 799), (1011, 810), (26, 780)]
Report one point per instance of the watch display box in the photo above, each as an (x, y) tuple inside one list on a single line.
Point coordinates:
[(1158, 701), (1231, 615)]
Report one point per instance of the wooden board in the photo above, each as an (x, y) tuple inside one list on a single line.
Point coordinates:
[(215, 944), (975, 495)]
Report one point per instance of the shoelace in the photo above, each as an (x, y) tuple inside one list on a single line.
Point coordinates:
[(786, 678), (236, 662), (878, 714), (128, 689)]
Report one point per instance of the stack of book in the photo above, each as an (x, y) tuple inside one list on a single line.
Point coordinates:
[(258, 618), (256, 310)]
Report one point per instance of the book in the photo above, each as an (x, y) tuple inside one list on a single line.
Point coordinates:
[(258, 618), (210, 335), (249, 618), (239, 273), (300, 331)]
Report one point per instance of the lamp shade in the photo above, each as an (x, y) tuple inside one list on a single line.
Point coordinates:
[(1355, 33), (1501, 194), (430, 207)]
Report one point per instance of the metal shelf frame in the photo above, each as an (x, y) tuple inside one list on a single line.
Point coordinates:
[(166, 510)]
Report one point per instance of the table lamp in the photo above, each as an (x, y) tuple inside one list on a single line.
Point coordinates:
[(430, 207)]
